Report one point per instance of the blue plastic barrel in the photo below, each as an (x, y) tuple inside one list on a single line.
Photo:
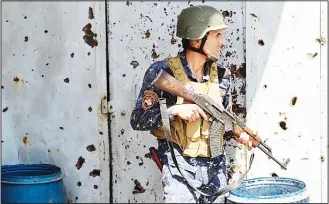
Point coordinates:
[(32, 183), (270, 190)]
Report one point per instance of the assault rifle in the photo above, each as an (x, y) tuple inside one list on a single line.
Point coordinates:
[(218, 114)]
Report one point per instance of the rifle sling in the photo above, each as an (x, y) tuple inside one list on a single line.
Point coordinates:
[(166, 126)]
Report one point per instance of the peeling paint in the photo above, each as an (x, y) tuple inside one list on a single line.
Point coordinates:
[(89, 36), (90, 13)]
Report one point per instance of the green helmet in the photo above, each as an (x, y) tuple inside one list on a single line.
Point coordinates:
[(194, 22)]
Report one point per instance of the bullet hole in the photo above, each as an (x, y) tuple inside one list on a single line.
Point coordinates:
[(79, 183), (154, 54), (137, 157), (253, 15), (231, 160), (47, 64), (72, 54), (148, 155), (226, 14), (138, 187), (128, 163), (173, 41), (322, 158), (46, 31), (265, 86), (49, 150), (26, 39), (203, 1), (42, 75), (147, 34), (76, 198), (283, 125), (128, 3), (89, 85), (274, 175), (88, 53), (123, 75), (95, 187), (2, 141), (7, 20), (25, 139), (90, 109), (16, 79), (293, 101), (122, 131), (89, 36), (91, 148), (90, 13), (61, 128), (314, 55), (321, 40), (5, 109), (228, 54), (66, 80), (101, 133), (95, 172), (261, 42), (25, 17), (2, 87), (14, 55), (32, 70), (80, 162)]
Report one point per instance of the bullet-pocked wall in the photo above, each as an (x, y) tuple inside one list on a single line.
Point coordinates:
[(53, 82), (140, 33), (286, 54)]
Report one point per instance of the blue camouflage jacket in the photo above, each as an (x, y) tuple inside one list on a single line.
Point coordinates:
[(147, 119)]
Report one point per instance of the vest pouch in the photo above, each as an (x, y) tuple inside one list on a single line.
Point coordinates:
[(193, 138)]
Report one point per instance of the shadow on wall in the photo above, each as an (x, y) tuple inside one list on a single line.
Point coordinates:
[(255, 34)]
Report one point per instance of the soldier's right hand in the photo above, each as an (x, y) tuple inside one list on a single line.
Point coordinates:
[(189, 112)]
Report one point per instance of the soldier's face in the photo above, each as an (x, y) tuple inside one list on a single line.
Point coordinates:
[(214, 43)]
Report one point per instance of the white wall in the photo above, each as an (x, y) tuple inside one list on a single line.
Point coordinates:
[(289, 31), (127, 43), (40, 102)]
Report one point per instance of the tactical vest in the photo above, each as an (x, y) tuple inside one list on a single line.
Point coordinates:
[(192, 137)]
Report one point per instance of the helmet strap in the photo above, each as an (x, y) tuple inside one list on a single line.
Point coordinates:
[(199, 50)]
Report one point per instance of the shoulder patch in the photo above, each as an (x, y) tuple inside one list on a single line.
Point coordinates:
[(150, 97)]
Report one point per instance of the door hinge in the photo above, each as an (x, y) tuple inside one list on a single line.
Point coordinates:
[(107, 106)]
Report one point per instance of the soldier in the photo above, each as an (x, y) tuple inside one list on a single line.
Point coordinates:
[(200, 28)]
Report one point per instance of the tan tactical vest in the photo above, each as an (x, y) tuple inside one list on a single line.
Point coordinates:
[(192, 137)]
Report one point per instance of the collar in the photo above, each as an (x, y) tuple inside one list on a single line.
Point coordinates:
[(188, 70)]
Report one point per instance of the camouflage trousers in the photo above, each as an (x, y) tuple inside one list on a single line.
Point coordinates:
[(207, 174)]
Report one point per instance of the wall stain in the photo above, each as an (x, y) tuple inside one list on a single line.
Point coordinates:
[(90, 13), (89, 36), (25, 139), (80, 162)]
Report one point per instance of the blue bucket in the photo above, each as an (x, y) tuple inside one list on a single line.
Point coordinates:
[(32, 183), (270, 190)]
